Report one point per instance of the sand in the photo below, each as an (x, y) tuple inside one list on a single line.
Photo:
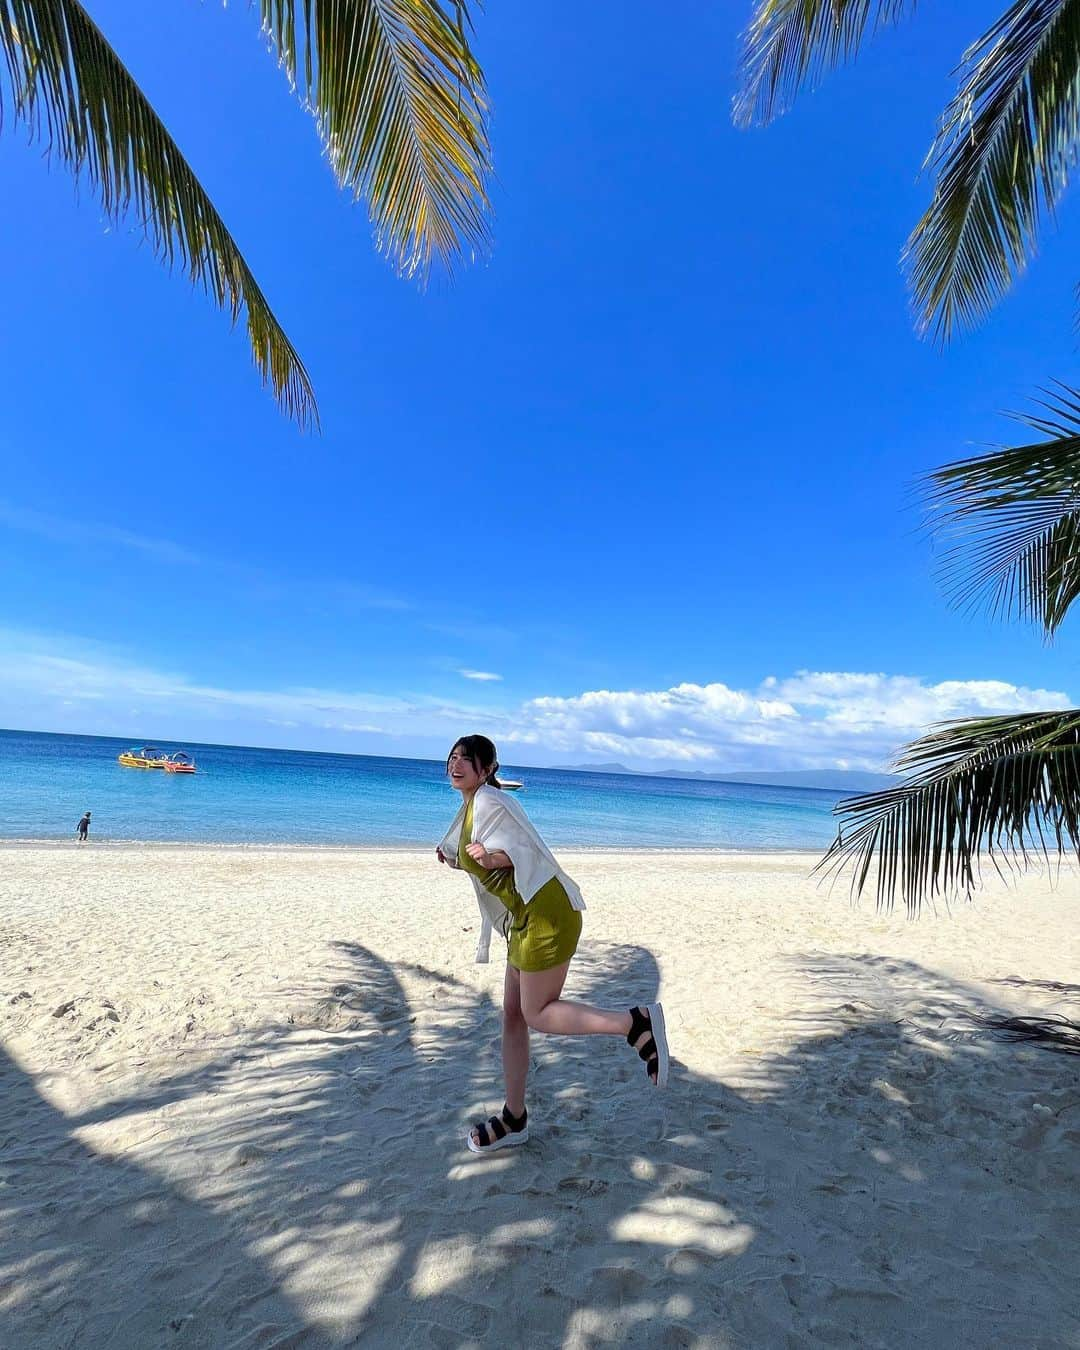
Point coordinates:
[(235, 1086)]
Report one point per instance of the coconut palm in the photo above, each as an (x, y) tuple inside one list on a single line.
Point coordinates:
[(999, 786), (398, 101), (1004, 147), (994, 786)]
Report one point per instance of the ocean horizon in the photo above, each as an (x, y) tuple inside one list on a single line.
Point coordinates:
[(250, 795)]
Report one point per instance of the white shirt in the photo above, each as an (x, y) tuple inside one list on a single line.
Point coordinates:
[(501, 825)]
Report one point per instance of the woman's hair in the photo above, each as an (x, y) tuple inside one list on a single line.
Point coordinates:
[(480, 752)]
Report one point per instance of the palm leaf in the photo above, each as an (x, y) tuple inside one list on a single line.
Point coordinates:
[(399, 101), (1055, 1032), (73, 91), (1001, 159), (791, 43), (996, 786), (1014, 517)]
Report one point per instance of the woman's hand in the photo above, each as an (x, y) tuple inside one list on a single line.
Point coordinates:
[(492, 861)]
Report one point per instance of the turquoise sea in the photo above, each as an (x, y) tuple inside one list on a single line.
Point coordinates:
[(243, 795)]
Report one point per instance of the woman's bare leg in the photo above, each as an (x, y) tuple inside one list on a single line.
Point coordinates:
[(544, 1010), (515, 1045), (515, 1042), (531, 999)]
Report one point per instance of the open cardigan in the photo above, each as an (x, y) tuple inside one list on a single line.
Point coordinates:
[(499, 823)]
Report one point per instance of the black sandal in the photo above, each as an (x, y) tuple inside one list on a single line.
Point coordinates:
[(649, 1022), (501, 1131)]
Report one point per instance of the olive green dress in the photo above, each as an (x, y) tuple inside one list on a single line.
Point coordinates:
[(543, 933)]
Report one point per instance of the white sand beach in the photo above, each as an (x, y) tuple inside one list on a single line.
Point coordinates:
[(236, 1082)]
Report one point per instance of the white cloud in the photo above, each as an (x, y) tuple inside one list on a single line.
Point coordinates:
[(340, 593), (809, 720), (812, 719), (91, 673), (483, 633), (76, 531), (356, 594), (479, 675)]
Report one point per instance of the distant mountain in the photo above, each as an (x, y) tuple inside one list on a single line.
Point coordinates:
[(831, 780), (838, 780), (594, 768)]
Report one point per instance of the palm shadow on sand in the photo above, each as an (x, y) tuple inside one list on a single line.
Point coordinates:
[(312, 1188)]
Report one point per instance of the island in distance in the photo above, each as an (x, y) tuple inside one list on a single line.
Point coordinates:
[(831, 780)]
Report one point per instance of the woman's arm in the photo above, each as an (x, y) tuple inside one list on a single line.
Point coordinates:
[(488, 809), (494, 860)]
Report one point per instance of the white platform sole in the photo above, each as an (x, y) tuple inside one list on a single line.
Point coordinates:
[(659, 1031), (507, 1141)]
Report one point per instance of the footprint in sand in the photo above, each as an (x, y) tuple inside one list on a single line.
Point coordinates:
[(619, 1282), (684, 1262), (246, 1153), (583, 1185)]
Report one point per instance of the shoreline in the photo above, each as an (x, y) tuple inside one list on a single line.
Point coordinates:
[(210, 846), (1049, 869)]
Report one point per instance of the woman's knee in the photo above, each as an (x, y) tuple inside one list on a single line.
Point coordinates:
[(532, 1014), (513, 1014)]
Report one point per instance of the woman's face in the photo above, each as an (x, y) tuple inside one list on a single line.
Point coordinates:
[(463, 774)]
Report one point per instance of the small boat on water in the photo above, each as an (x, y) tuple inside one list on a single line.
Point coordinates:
[(179, 763), (511, 786), (144, 757)]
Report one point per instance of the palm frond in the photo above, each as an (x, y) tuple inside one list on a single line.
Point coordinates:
[(1002, 158), (791, 43), (995, 786), (1014, 519), (399, 101), (1055, 1032), (72, 90)]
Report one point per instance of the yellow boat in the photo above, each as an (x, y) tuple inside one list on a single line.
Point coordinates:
[(146, 757)]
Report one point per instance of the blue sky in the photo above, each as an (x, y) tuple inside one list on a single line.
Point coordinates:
[(651, 464)]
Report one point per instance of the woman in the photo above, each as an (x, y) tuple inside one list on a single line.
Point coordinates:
[(525, 894)]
